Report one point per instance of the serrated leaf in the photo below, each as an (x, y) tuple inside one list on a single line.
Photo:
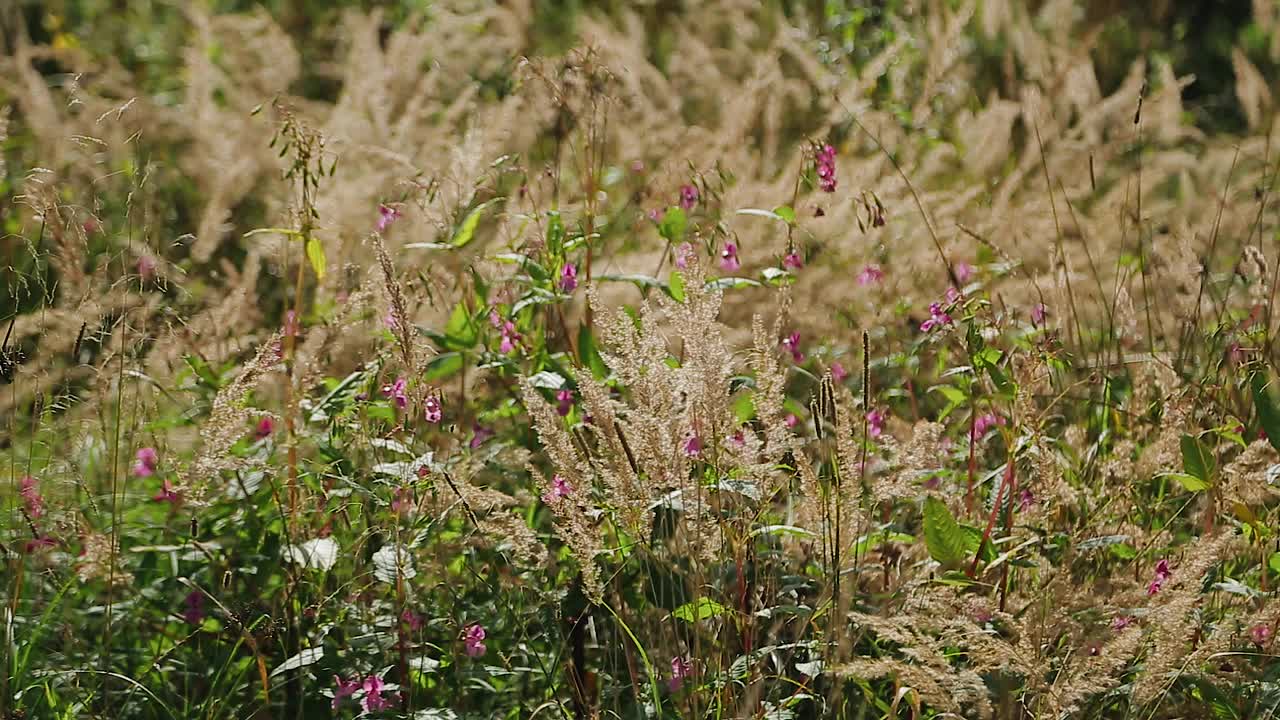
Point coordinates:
[(947, 541), (1268, 413), (315, 253), (701, 609), (393, 560), (317, 554), (547, 379)]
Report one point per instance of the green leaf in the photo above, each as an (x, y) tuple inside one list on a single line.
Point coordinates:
[(947, 541), (442, 366), (675, 286), (786, 213), (1268, 413), (315, 253), (744, 408), (732, 283), (1273, 562), (467, 230), (1197, 460), (788, 216), (461, 332), (1189, 482), (588, 355), (673, 224), (701, 609)]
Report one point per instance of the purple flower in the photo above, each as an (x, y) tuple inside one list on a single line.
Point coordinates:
[(729, 258), (433, 409), (37, 544), (1038, 314), (1121, 622), (568, 278), (824, 162), (510, 335), (344, 688), (398, 391), (147, 461), (688, 197), (964, 272), (373, 699), (559, 488), (953, 296), (386, 216), (473, 638), (792, 345), (684, 255), (1162, 575), (793, 261), (167, 493), (681, 669), (564, 402), (870, 274), (937, 318), (838, 373), (985, 422), (31, 499), (1025, 499), (480, 434), (875, 423), (193, 612), (265, 427), (291, 323), (1260, 633), (411, 619), (692, 444), (791, 421)]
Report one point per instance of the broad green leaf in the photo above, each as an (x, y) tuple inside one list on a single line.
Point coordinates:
[(1197, 460), (442, 366), (588, 355), (732, 283), (1273, 562), (744, 408), (315, 253), (673, 224), (675, 285), (786, 213), (467, 230), (701, 609), (1189, 482), (302, 659), (1268, 413), (947, 541), (461, 332)]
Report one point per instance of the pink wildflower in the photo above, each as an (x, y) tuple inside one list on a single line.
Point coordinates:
[(411, 619), (265, 427), (31, 498), (386, 216), (147, 461), (1260, 633), (875, 423), (344, 688), (1162, 575), (193, 612), (792, 345), (729, 258), (473, 637), (791, 421), (684, 255), (568, 278), (564, 402), (1025, 499), (559, 488), (291, 323), (964, 272), (398, 391), (681, 669), (824, 161), (793, 261), (146, 268), (870, 274), (44, 541), (937, 318), (688, 197), (838, 373), (480, 435), (692, 444), (985, 422), (373, 699), (434, 409), (168, 493), (953, 296), (1038, 314), (1121, 622), (402, 501)]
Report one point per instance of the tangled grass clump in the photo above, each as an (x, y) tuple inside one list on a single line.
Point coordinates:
[(732, 362)]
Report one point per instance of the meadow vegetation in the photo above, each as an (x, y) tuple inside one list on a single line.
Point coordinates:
[(717, 359)]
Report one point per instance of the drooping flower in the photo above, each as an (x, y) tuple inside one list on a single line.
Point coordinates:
[(398, 392), (193, 608), (688, 197), (344, 688), (559, 488), (838, 373), (147, 461), (473, 638), (985, 422), (875, 423), (792, 345), (434, 410), (266, 426), (479, 435), (793, 261), (168, 493), (964, 272), (32, 501), (564, 402), (386, 216), (373, 699), (1162, 575), (684, 255), (953, 296), (824, 161), (937, 318), (681, 669), (692, 444), (729, 258), (568, 278), (870, 274), (1038, 313)]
